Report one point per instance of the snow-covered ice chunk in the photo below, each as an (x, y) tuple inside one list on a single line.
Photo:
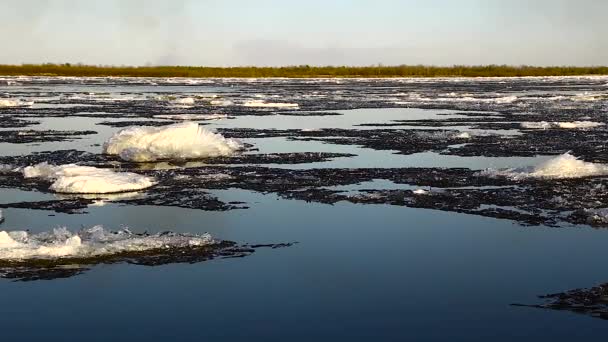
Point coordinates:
[(15, 103), (221, 103), (463, 135), (563, 166), (563, 125), (579, 124), (191, 116), (589, 97), (262, 104), (180, 141), (536, 125), (89, 242), (186, 101), (76, 179)]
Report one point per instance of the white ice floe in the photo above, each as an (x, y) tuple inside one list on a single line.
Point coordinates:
[(580, 124), (89, 242), (463, 135), (76, 179), (191, 116), (186, 101), (180, 141), (563, 166), (536, 125), (221, 103), (262, 104), (420, 192), (589, 97), (505, 99), (453, 97), (563, 125), (15, 103)]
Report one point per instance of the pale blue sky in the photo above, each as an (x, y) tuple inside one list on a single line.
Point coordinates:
[(316, 32)]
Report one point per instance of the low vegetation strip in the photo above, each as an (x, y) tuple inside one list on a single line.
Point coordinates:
[(302, 71)]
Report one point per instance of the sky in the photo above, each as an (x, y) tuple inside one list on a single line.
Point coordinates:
[(298, 32)]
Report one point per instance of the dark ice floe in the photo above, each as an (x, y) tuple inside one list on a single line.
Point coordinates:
[(487, 118)]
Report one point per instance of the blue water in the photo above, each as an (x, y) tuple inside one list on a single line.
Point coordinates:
[(358, 273)]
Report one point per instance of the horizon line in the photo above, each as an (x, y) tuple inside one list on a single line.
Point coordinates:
[(378, 65), (299, 71)]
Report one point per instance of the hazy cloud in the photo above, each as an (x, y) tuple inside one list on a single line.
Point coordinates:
[(273, 32)]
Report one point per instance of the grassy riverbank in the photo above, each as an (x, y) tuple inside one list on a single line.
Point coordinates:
[(298, 71)]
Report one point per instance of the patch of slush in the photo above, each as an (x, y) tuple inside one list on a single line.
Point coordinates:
[(90, 242), (563, 166), (536, 125), (466, 98), (563, 125), (15, 103), (191, 116), (76, 179), (598, 215), (101, 200), (589, 97), (262, 104), (180, 141)]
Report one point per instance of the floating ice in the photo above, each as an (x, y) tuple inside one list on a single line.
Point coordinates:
[(262, 104), (589, 97), (597, 215), (186, 101), (100, 200), (220, 103), (191, 116), (453, 97), (536, 125), (8, 103), (579, 124), (463, 135), (15, 103), (90, 242), (77, 179), (420, 192), (563, 166), (506, 99), (563, 125), (179, 141)]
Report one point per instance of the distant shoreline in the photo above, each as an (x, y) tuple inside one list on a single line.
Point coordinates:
[(298, 71)]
